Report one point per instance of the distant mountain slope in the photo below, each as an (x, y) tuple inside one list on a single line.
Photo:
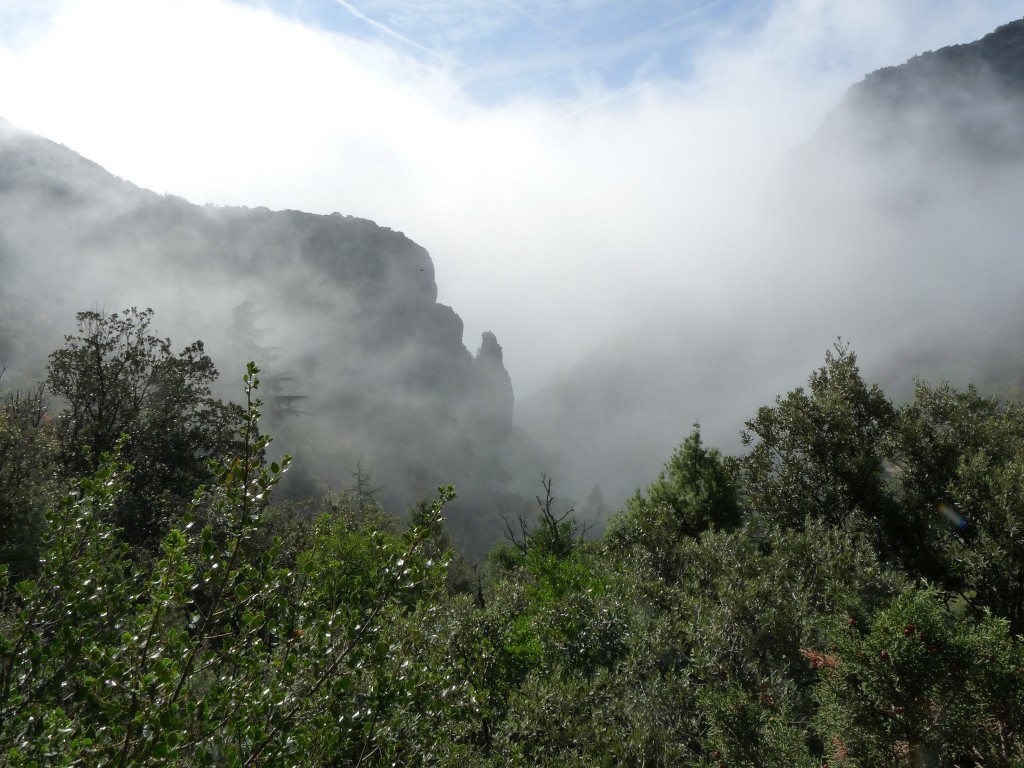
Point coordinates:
[(897, 227), (934, 149), (337, 309), (928, 76), (967, 99)]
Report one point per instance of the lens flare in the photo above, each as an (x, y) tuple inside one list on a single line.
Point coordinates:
[(951, 514)]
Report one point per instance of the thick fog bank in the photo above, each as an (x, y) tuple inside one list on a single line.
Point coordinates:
[(896, 228)]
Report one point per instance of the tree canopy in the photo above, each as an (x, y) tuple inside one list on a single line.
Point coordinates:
[(124, 387), (847, 592)]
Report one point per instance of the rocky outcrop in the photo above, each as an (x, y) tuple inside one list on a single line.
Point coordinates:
[(495, 403), (342, 311)]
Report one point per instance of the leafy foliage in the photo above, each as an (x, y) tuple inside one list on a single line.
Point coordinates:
[(818, 453), (957, 461), (917, 685), (203, 655), (695, 491), (28, 478), (848, 592), (118, 379)]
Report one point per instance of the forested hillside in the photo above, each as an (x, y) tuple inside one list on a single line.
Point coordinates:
[(846, 592)]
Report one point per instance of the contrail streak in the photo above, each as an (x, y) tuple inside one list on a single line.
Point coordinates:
[(383, 27), (529, 16)]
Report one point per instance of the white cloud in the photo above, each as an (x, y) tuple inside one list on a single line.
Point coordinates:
[(556, 223)]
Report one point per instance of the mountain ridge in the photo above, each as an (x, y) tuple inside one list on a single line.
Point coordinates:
[(967, 97), (344, 309)]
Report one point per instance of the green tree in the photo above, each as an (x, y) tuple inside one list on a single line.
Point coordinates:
[(819, 454), (958, 470), (987, 554), (695, 491), (118, 378), (28, 478), (204, 655), (745, 608), (916, 685)]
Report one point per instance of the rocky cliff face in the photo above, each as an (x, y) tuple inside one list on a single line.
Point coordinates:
[(495, 401), (338, 310)]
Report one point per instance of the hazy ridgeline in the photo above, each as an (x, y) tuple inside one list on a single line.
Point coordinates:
[(896, 228), (364, 371)]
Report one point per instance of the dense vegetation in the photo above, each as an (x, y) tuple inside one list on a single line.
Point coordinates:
[(849, 592)]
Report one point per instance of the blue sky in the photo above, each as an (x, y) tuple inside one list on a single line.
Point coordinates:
[(501, 48), (548, 153)]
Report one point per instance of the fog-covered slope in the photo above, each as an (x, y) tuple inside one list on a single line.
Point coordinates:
[(964, 99), (897, 227), (341, 313)]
